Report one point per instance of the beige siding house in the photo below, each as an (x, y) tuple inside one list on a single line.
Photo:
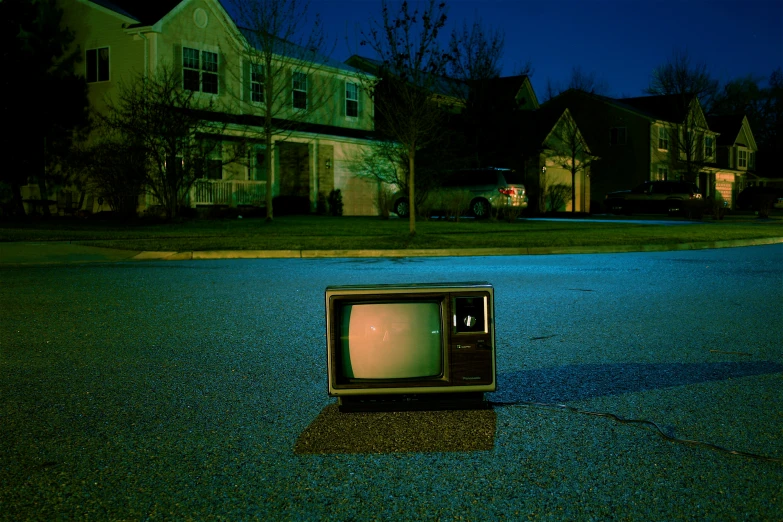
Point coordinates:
[(643, 139), (735, 156), (122, 39)]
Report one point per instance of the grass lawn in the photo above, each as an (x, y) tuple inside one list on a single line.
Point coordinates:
[(325, 233)]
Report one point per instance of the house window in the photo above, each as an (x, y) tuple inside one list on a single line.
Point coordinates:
[(300, 90), (212, 162), (257, 164), (97, 65), (617, 136), (742, 158), (709, 146), (663, 138), (752, 161), (351, 100), (663, 173), (257, 82), (199, 70)]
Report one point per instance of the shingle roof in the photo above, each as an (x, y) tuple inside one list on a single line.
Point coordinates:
[(145, 12), (728, 125), (669, 107)]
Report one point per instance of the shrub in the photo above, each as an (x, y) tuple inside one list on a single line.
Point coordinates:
[(556, 196), (335, 203)]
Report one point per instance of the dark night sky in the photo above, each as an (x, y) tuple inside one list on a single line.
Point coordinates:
[(621, 41)]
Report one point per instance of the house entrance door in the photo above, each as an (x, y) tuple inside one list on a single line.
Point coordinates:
[(294, 169)]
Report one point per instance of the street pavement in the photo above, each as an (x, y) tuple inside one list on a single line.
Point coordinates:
[(165, 390)]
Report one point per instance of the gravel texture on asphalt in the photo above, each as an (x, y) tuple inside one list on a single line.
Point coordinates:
[(196, 390)]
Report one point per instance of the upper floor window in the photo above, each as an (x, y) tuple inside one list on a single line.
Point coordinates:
[(299, 88), (257, 82), (617, 136), (199, 70), (663, 138), (351, 100), (709, 146), (742, 158), (97, 65)]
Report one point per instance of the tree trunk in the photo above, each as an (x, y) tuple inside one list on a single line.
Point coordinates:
[(411, 191)]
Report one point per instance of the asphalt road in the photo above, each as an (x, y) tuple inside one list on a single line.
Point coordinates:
[(196, 390)]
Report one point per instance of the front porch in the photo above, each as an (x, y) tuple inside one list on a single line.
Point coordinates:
[(231, 193)]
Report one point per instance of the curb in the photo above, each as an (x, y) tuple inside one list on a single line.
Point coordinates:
[(477, 252)]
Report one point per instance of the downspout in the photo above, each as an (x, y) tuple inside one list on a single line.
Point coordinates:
[(146, 54)]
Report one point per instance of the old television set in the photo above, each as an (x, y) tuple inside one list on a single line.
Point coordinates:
[(410, 346)]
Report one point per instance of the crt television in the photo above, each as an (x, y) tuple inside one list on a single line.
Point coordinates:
[(420, 344)]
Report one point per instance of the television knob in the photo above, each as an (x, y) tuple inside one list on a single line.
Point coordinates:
[(469, 321)]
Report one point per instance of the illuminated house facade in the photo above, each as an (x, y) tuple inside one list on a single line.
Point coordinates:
[(736, 154), (122, 39), (658, 138)]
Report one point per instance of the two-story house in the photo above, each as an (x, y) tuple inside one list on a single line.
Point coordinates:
[(199, 40), (642, 139), (545, 144), (736, 155)]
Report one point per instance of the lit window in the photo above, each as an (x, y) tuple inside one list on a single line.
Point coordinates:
[(742, 158), (257, 82), (617, 136), (300, 90), (351, 100), (98, 65), (663, 138), (199, 70), (663, 173)]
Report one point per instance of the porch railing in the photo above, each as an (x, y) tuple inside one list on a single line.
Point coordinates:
[(228, 192)]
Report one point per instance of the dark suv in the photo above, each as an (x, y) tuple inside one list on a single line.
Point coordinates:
[(760, 198), (672, 197)]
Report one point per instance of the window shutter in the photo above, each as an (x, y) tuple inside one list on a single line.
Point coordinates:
[(177, 70), (221, 74), (246, 88), (342, 86)]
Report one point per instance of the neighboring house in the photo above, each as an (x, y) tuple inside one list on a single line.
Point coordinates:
[(736, 155), (124, 38), (642, 139), (555, 152), (546, 144)]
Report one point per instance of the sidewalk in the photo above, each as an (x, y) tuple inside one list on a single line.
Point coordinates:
[(61, 252)]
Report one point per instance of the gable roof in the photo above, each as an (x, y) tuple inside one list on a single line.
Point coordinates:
[(729, 127), (667, 107), (536, 126), (145, 12)]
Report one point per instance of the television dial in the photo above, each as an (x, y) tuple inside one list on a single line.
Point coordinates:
[(469, 321)]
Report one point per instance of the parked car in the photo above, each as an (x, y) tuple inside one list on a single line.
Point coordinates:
[(754, 198), (478, 191), (672, 197)]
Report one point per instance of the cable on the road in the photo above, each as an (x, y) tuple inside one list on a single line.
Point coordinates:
[(642, 422)]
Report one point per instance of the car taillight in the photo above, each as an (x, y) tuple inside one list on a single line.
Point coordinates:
[(696, 196), (507, 191)]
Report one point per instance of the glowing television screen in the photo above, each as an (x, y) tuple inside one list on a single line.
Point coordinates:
[(422, 341)]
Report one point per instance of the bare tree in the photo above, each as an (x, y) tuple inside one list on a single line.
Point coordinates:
[(569, 147), (413, 63), (174, 129), (476, 52), (691, 90), (580, 81), (283, 54)]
